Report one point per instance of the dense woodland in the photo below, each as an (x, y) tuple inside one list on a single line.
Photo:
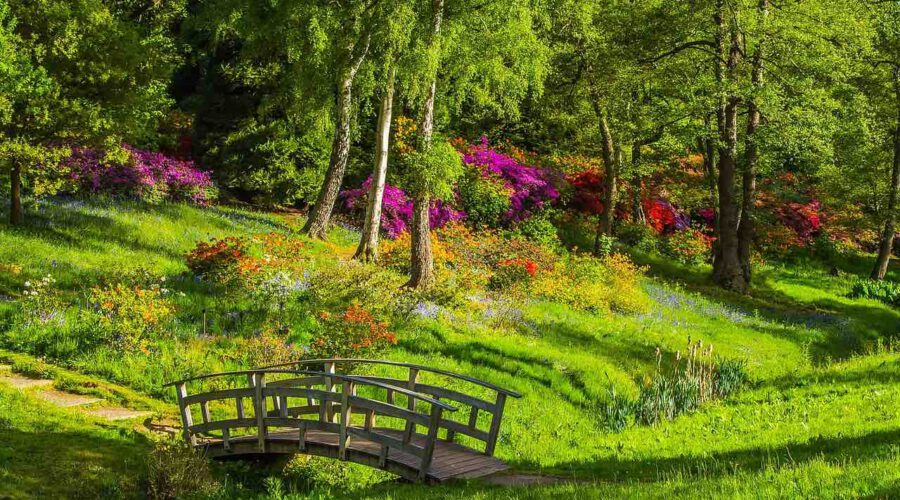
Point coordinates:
[(549, 195), (764, 104)]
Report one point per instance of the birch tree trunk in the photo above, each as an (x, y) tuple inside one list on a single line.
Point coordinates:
[(421, 274), (611, 173), (368, 243), (317, 224), (886, 247)]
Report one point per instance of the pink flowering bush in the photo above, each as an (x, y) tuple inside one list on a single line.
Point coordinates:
[(397, 208), (529, 188), (146, 175)]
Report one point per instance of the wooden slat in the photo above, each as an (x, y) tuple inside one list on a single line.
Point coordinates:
[(300, 392), (219, 425), (386, 440), (440, 392), (388, 410), (457, 427), (217, 395), (299, 381)]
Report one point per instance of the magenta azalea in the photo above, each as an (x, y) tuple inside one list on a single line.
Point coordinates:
[(530, 187), (148, 175), (397, 208)]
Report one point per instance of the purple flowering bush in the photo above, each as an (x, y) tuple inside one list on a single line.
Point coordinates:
[(529, 188), (146, 175), (397, 208)]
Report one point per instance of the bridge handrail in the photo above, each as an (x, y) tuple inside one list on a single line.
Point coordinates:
[(439, 371), (350, 378)]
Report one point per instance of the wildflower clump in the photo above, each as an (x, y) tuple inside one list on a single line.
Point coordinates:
[(355, 332), (128, 315)]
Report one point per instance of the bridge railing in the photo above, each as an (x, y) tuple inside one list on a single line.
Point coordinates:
[(493, 406), (283, 399)]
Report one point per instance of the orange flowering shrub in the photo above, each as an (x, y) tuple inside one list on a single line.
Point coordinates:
[(515, 272), (599, 285), (218, 259), (353, 333), (128, 315)]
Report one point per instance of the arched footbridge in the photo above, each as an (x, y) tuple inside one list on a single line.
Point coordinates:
[(421, 423)]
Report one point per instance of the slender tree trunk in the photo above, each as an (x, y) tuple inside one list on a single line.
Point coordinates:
[(748, 199), (421, 259), (16, 213), (317, 224), (368, 243), (886, 247), (727, 272), (637, 210), (610, 169)]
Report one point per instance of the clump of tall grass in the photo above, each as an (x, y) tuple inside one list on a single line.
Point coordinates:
[(680, 386)]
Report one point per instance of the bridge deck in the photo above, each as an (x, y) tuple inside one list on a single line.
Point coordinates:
[(450, 460)]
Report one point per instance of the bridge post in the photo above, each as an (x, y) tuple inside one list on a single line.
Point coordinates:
[(434, 425), (344, 437), (329, 385), (186, 417), (411, 385), (260, 409), (495, 424)]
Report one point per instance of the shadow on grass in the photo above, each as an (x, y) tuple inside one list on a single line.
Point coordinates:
[(847, 326), (70, 464), (839, 449)]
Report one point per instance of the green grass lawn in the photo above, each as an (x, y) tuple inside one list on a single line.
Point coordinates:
[(820, 418)]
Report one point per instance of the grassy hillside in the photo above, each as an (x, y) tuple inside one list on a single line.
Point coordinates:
[(819, 418)]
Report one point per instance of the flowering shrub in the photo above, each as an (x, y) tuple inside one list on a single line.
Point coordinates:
[(219, 260), (268, 348), (664, 218), (589, 188), (513, 272), (530, 188), (350, 334), (146, 175), (690, 246), (127, 315), (397, 208), (590, 284), (485, 198), (41, 303), (803, 219)]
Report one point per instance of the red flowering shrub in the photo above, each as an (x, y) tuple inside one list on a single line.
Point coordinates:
[(217, 259), (589, 189), (513, 272), (354, 333), (803, 219), (663, 216)]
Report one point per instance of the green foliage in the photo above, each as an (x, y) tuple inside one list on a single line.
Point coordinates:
[(484, 200), (688, 247), (176, 470), (636, 236), (880, 290), (540, 228), (433, 171)]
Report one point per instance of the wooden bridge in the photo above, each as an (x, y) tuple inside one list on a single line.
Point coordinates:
[(320, 407)]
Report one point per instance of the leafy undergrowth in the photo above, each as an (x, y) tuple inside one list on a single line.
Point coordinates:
[(817, 419)]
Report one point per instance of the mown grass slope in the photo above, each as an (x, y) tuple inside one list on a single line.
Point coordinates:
[(820, 417)]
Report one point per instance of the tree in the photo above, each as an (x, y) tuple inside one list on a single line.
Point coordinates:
[(79, 71), (886, 71)]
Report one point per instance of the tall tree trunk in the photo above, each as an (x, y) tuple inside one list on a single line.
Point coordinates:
[(637, 210), (608, 149), (421, 273), (748, 198), (727, 272), (317, 224), (886, 247), (16, 213), (368, 242)]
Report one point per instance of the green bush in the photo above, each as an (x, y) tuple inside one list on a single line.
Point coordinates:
[(636, 236), (538, 228), (485, 200), (176, 470), (688, 247), (880, 290)]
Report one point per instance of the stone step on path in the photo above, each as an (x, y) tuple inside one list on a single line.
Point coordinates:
[(67, 399)]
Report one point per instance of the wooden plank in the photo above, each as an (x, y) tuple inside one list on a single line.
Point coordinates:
[(204, 411), (300, 392), (495, 425), (260, 401), (433, 427), (457, 427), (299, 381), (388, 410), (439, 392), (239, 403), (411, 405), (186, 419), (386, 440), (223, 424), (217, 395), (345, 420)]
